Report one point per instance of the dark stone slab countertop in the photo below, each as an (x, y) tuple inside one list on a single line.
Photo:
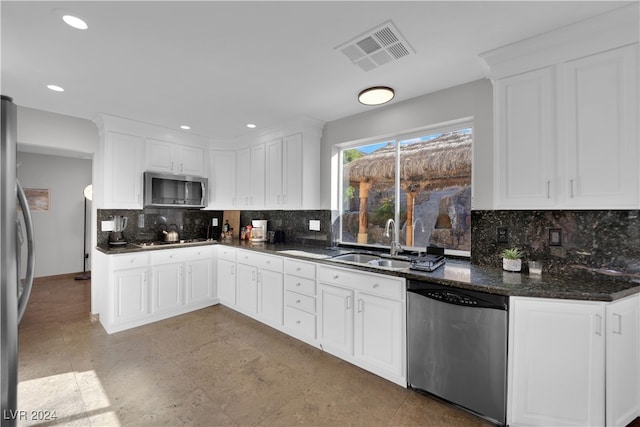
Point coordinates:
[(585, 285)]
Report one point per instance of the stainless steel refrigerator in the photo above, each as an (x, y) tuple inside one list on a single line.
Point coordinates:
[(14, 291)]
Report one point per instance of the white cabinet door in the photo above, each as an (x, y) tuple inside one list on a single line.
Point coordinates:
[(190, 160), (130, 295), (271, 297), (623, 361), (159, 156), (167, 287), (257, 177), (199, 284), (123, 171), (243, 178), (227, 282), (274, 167), (378, 332), (222, 179), (556, 363), (293, 180), (247, 283), (601, 131), (336, 320), (525, 140)]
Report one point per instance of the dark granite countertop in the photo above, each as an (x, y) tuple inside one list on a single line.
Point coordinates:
[(585, 285)]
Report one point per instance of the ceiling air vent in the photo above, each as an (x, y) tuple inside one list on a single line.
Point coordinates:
[(376, 47)]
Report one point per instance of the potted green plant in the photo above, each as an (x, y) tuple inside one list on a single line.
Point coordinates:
[(512, 259)]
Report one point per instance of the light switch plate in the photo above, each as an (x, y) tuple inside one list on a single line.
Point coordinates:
[(140, 220), (314, 225), (214, 222), (106, 226)]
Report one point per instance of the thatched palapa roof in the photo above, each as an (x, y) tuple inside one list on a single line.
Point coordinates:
[(442, 162)]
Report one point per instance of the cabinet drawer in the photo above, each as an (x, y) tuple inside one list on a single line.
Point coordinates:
[(301, 302), (120, 262), (226, 252), (300, 322), (267, 262), (167, 256), (300, 285), (377, 284), (203, 252), (300, 268)]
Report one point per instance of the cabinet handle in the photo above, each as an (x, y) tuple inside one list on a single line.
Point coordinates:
[(548, 189), (336, 277), (233, 269), (598, 325), (172, 165), (268, 262), (284, 199), (618, 330), (180, 166), (297, 322), (278, 199), (298, 269), (298, 284), (360, 305), (376, 286), (297, 301), (348, 301), (571, 188)]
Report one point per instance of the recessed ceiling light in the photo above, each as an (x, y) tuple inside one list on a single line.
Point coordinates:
[(55, 88), (376, 95), (185, 127), (75, 22), (251, 126)]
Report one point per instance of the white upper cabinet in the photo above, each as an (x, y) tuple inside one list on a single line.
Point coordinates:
[(274, 195), (250, 177), (600, 130), (162, 156), (122, 166), (525, 141), (222, 179), (566, 117)]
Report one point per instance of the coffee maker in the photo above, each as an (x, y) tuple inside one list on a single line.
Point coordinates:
[(259, 230), (116, 238)]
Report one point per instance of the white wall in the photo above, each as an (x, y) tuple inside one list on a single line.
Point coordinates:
[(58, 232), (473, 99)]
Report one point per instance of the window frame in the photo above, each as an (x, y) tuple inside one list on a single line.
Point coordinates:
[(396, 138)]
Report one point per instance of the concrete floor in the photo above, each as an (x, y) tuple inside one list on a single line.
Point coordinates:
[(212, 367)]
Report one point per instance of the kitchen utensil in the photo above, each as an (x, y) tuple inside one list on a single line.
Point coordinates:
[(171, 235)]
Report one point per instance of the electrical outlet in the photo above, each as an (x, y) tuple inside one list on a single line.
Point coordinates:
[(314, 225), (214, 222), (502, 234), (140, 220), (106, 226)]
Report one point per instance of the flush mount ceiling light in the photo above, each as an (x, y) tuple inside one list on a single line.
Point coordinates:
[(185, 127), (55, 88), (75, 22), (251, 126), (376, 95)]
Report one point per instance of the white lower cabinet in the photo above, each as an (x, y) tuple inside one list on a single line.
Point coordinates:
[(363, 320), (563, 362), (226, 275), (300, 299), (144, 287), (260, 287)]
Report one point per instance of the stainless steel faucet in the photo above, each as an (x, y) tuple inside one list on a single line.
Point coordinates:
[(395, 246)]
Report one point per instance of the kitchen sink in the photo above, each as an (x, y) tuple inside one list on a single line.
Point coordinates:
[(373, 261), (357, 258), (394, 264)]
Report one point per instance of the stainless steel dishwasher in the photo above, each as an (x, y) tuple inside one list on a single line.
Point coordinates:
[(457, 347)]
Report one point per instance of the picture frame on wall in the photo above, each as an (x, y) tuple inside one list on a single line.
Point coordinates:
[(38, 199)]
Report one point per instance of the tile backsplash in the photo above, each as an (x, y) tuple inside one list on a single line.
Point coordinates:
[(191, 223), (566, 241)]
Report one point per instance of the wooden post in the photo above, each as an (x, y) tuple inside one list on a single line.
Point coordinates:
[(411, 203), (363, 219)]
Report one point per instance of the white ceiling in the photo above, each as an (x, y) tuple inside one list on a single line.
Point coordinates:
[(220, 65)]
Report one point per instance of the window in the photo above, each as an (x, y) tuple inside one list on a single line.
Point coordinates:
[(422, 182)]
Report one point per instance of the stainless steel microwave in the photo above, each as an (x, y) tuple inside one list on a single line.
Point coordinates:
[(179, 191)]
